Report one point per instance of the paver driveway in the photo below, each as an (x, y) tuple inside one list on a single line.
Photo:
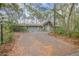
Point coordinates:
[(41, 44)]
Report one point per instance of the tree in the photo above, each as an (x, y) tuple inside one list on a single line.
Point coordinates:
[(10, 10), (68, 28)]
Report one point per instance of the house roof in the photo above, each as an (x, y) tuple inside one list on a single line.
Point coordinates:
[(30, 25), (38, 25), (46, 22)]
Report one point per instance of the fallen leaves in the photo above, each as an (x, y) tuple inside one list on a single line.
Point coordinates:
[(73, 41)]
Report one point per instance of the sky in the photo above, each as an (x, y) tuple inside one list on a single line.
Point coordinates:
[(47, 5), (43, 6), (2, 11)]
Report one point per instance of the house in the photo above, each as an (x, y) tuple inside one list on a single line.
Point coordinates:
[(46, 26)]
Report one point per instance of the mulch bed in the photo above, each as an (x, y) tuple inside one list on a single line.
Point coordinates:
[(5, 48), (74, 41)]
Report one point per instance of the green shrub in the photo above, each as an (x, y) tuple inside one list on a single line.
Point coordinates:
[(8, 31), (10, 37), (19, 29), (60, 30), (75, 34)]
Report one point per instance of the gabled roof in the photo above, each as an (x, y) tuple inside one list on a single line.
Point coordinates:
[(46, 22)]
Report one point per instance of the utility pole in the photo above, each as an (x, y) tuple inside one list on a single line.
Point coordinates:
[(1, 29), (54, 16)]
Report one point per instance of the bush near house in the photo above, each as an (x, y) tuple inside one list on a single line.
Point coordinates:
[(19, 29), (61, 31), (7, 31)]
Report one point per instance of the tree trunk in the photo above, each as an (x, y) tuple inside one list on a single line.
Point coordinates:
[(69, 17)]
